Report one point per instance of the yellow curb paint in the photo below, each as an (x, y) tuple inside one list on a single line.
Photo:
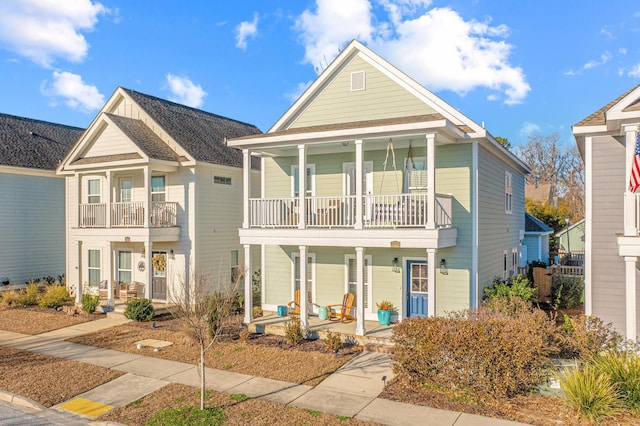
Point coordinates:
[(85, 407)]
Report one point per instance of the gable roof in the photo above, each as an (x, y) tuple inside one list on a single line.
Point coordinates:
[(144, 138), (533, 225), (34, 144), (599, 117), (202, 134), (579, 226)]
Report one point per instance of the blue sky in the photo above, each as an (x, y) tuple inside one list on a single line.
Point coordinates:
[(521, 67)]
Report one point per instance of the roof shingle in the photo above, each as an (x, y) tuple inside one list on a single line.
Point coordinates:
[(35, 144), (144, 138), (598, 117)]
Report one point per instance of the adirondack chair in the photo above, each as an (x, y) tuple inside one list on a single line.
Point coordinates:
[(294, 305), (342, 312)]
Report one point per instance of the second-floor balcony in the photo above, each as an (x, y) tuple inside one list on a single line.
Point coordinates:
[(127, 215), (378, 211)]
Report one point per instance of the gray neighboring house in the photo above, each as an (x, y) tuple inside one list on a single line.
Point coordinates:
[(32, 232), (607, 142), (535, 245)]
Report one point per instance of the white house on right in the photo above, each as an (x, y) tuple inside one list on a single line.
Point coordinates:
[(607, 141)]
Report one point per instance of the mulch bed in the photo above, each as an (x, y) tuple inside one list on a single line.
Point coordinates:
[(34, 320)]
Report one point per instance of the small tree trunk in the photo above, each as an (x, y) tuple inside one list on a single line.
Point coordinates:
[(202, 377)]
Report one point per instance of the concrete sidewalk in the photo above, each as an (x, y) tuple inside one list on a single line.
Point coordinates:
[(351, 391)]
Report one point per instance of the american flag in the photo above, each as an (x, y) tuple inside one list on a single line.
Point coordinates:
[(634, 179)]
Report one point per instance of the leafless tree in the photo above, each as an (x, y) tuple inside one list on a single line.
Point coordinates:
[(204, 312)]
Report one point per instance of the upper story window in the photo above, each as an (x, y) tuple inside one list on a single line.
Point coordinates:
[(222, 180), (126, 185), (310, 184), (508, 193), (415, 175), (157, 189), (93, 190)]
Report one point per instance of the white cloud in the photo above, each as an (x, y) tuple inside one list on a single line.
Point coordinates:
[(604, 31), (245, 30), (42, 30), (333, 25), (184, 91), (528, 129), (470, 54), (604, 58), (76, 93), (634, 71)]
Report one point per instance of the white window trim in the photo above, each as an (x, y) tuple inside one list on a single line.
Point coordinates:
[(118, 269), (514, 260), (367, 168), (508, 193), (90, 268), (120, 179), (505, 264), (295, 167), (165, 187), (369, 260), (405, 178), (312, 308), (99, 194)]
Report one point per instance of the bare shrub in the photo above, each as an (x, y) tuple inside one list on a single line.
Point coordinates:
[(584, 336), (483, 351)]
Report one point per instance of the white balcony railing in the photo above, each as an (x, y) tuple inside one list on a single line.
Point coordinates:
[(128, 215), (379, 211)]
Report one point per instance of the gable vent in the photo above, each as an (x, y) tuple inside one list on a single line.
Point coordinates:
[(357, 81)]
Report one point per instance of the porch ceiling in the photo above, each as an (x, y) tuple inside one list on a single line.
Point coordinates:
[(384, 238)]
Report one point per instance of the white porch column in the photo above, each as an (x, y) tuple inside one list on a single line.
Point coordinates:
[(248, 290), (360, 291), (148, 247), (431, 181), (304, 316), (147, 191), (246, 188), (630, 213), (302, 190), (359, 188), (432, 272), (108, 268), (588, 220), (79, 274), (630, 296), (108, 200)]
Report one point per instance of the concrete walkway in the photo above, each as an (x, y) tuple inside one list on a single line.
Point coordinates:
[(351, 391)]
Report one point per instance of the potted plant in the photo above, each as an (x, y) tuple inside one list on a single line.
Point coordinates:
[(385, 309)]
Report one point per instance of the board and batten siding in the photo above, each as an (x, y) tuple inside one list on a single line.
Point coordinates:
[(382, 98), (32, 242), (498, 230), (607, 267)]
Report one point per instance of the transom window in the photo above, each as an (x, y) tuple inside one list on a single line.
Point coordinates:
[(157, 189)]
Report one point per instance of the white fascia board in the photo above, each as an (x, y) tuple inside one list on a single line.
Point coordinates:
[(615, 112), (28, 171), (341, 134), (586, 130), (107, 166)]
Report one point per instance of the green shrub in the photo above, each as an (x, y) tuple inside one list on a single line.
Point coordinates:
[(293, 331), (516, 286), (482, 351), (187, 416), (623, 368), (90, 303), (31, 295), (54, 295), (567, 291), (589, 393), (139, 310), (584, 336)]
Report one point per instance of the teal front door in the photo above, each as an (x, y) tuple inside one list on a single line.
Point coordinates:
[(417, 295)]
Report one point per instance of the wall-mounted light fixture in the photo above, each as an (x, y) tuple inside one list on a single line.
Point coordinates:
[(395, 265), (443, 267), (173, 256)]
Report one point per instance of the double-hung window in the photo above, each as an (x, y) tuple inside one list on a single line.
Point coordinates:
[(124, 266), (93, 267), (158, 189), (508, 192), (93, 191)]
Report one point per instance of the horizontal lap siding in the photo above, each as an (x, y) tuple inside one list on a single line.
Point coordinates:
[(498, 231), (109, 142), (383, 98), (453, 175), (608, 268), (32, 232)]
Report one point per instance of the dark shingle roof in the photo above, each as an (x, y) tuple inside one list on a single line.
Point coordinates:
[(34, 144), (598, 117), (144, 138), (533, 224), (201, 134)]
